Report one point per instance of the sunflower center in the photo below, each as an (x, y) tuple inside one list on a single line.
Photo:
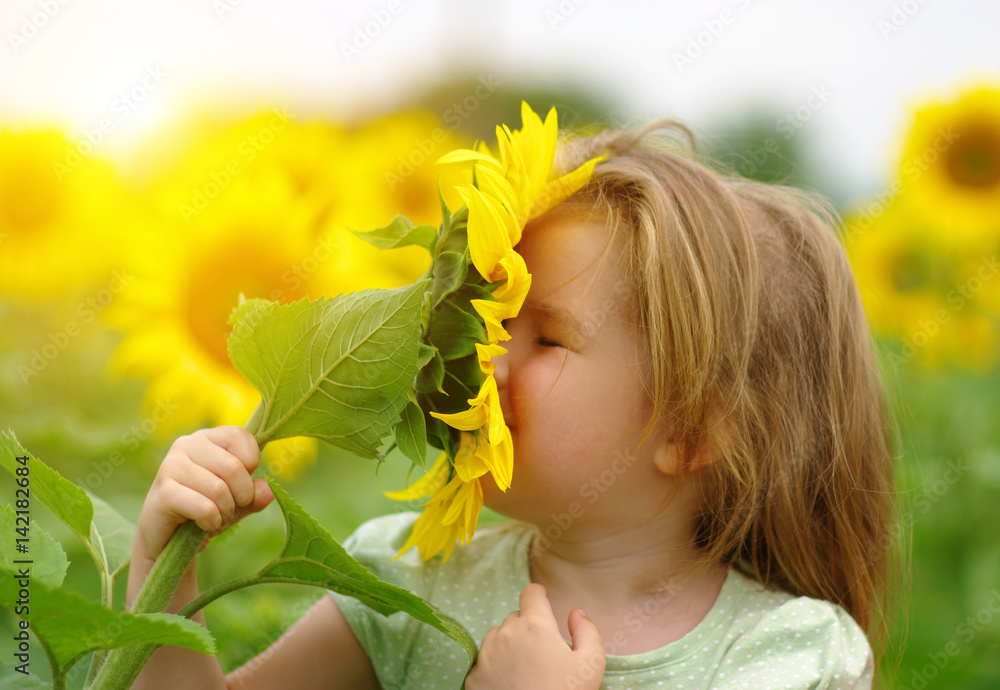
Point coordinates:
[(29, 197), (974, 159), (216, 282)]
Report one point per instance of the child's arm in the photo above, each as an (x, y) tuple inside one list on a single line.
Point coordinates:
[(527, 651), (206, 477)]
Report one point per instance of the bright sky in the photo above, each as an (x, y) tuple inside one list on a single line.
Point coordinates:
[(847, 71)]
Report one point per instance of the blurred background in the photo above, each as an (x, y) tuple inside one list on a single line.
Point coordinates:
[(157, 160)]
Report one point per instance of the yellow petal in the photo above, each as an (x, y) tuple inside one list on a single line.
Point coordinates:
[(493, 314), (490, 228), (467, 420), (486, 352), (467, 465), (464, 155), (560, 189), (515, 289), (429, 484), (498, 457)]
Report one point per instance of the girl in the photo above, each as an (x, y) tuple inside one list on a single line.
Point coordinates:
[(703, 491)]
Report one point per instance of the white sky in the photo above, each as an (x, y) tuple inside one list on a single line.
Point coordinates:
[(72, 67)]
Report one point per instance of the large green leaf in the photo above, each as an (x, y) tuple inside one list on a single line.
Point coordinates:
[(107, 535), (48, 560), (312, 557), (71, 626), (335, 369)]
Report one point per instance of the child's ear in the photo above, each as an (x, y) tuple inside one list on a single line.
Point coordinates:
[(668, 458)]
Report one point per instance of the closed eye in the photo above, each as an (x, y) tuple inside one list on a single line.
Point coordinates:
[(545, 342)]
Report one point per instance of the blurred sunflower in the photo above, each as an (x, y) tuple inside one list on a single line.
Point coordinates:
[(951, 164), (922, 287), (272, 230), (60, 216), (395, 156)]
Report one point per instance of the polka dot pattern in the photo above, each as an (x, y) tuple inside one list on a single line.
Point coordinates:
[(751, 638)]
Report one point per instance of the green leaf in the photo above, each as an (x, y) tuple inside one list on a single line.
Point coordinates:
[(335, 369), (425, 355), (111, 535), (455, 331), (71, 626), (411, 434), (11, 679), (400, 233), (106, 534), (449, 273), (312, 557), (48, 560), (431, 377)]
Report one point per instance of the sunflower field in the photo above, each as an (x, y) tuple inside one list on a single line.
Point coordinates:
[(117, 279)]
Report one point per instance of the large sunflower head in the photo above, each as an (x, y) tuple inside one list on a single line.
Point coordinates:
[(517, 184)]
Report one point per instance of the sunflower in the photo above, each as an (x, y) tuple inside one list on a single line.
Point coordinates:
[(951, 163), (60, 215), (511, 188), (922, 287), (264, 233), (395, 156)]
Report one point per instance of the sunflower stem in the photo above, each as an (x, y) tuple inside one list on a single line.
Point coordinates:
[(123, 665)]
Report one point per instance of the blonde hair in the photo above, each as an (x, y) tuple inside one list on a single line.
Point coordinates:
[(758, 350)]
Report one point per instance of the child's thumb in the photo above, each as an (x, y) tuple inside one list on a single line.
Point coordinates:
[(586, 636), (262, 497)]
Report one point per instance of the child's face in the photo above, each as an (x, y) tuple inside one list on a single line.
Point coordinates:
[(570, 384)]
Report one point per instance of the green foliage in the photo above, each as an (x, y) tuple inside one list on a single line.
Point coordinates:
[(401, 232), (334, 369), (344, 370), (49, 562), (106, 534), (312, 557), (70, 626)]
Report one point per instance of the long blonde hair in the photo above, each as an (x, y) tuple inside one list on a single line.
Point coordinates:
[(758, 349)]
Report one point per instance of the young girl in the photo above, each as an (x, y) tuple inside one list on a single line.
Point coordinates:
[(703, 491)]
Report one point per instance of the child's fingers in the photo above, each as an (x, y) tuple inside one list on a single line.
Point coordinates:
[(262, 497), (227, 467), (191, 504), (586, 637), (209, 485), (237, 441), (534, 600)]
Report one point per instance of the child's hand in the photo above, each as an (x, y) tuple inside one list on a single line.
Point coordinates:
[(205, 477), (528, 652)]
